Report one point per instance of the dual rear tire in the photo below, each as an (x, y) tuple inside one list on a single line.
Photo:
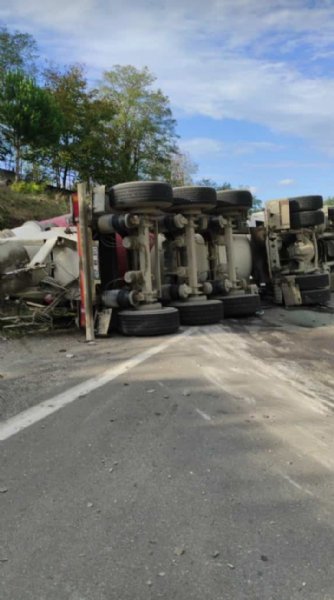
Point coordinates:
[(305, 212), (202, 312), (142, 323), (244, 305), (314, 288)]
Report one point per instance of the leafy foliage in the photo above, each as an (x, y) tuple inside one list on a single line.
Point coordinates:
[(69, 91), (28, 115), (65, 131), (142, 129), (28, 187), (18, 51)]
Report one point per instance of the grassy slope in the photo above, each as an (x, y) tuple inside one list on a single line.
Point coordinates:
[(16, 208)]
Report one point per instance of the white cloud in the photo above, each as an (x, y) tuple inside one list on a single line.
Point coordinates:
[(286, 182), (219, 58), (203, 147)]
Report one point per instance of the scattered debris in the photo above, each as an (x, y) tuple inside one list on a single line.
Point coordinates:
[(89, 504), (3, 490), (264, 558), (162, 574), (150, 391), (215, 554), (179, 550), (186, 393), (69, 355), (149, 582), (230, 566)]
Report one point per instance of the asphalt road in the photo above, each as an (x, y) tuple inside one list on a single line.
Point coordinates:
[(203, 473)]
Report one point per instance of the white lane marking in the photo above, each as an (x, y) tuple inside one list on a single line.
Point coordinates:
[(204, 415), (36, 413), (295, 484)]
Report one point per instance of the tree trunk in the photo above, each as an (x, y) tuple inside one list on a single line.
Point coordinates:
[(64, 177), (17, 160)]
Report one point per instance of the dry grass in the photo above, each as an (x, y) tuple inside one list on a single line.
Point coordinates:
[(16, 208)]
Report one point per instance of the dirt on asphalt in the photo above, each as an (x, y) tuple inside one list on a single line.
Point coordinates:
[(300, 343)]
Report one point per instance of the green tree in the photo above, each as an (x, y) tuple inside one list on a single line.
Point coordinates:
[(86, 141), (28, 116), (329, 201), (93, 159), (69, 90), (142, 128), (18, 51)]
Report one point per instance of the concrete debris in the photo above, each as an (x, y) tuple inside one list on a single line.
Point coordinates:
[(179, 550)]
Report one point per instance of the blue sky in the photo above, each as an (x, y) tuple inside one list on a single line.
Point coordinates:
[(251, 82)]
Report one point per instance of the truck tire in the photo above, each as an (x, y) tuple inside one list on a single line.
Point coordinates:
[(239, 198), (301, 219), (142, 323), (241, 306), (303, 203), (312, 281), (200, 313), (194, 195), (310, 297), (137, 194)]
